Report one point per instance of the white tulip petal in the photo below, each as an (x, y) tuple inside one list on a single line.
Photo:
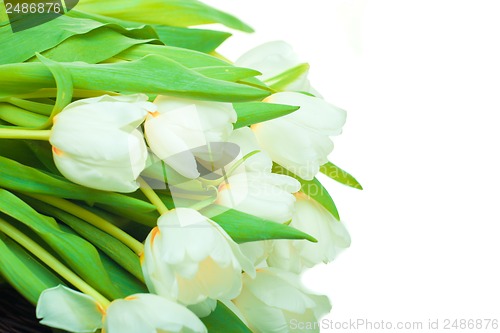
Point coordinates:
[(257, 252), (314, 113), (96, 143), (203, 309), (170, 147), (275, 297), (312, 218), (190, 258), (271, 289), (147, 313), (246, 140), (270, 59), (264, 195), (66, 309), (261, 318), (290, 147)]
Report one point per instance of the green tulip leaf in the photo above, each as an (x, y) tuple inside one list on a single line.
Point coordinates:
[(21, 271), (343, 177), (195, 39), (22, 178), (122, 279), (109, 245), (152, 74), (224, 320), (227, 73), (257, 112), (281, 81), (187, 58), (177, 13), (244, 227), (76, 252), (93, 47), (24, 44)]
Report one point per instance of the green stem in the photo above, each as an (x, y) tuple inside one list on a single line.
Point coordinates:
[(52, 262), (7, 133), (92, 219), (39, 108), (152, 196), (20, 117)]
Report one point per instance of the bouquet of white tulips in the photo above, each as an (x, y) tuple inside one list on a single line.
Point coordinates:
[(148, 184)]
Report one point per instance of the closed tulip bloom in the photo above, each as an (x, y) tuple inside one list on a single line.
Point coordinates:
[(96, 142), (181, 125), (312, 218), (189, 258), (275, 299), (300, 141), (66, 309), (275, 58), (266, 195)]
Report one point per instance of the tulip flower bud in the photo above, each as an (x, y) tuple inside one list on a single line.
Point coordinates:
[(189, 258), (179, 126), (275, 58), (300, 141), (96, 142), (266, 195), (275, 299), (66, 309), (313, 219)]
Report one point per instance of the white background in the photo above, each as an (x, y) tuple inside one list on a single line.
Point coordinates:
[(421, 83)]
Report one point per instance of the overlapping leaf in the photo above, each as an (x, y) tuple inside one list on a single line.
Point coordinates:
[(112, 247), (25, 274), (179, 13), (19, 177), (224, 320), (80, 255), (24, 44), (151, 74), (202, 40)]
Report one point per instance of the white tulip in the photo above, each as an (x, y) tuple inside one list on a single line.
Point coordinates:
[(96, 143), (275, 299), (273, 59), (300, 141), (181, 125), (189, 258), (66, 309), (312, 218), (247, 142), (266, 195)]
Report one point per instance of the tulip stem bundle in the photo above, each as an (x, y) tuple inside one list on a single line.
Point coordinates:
[(52, 262), (7, 133), (92, 219)]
